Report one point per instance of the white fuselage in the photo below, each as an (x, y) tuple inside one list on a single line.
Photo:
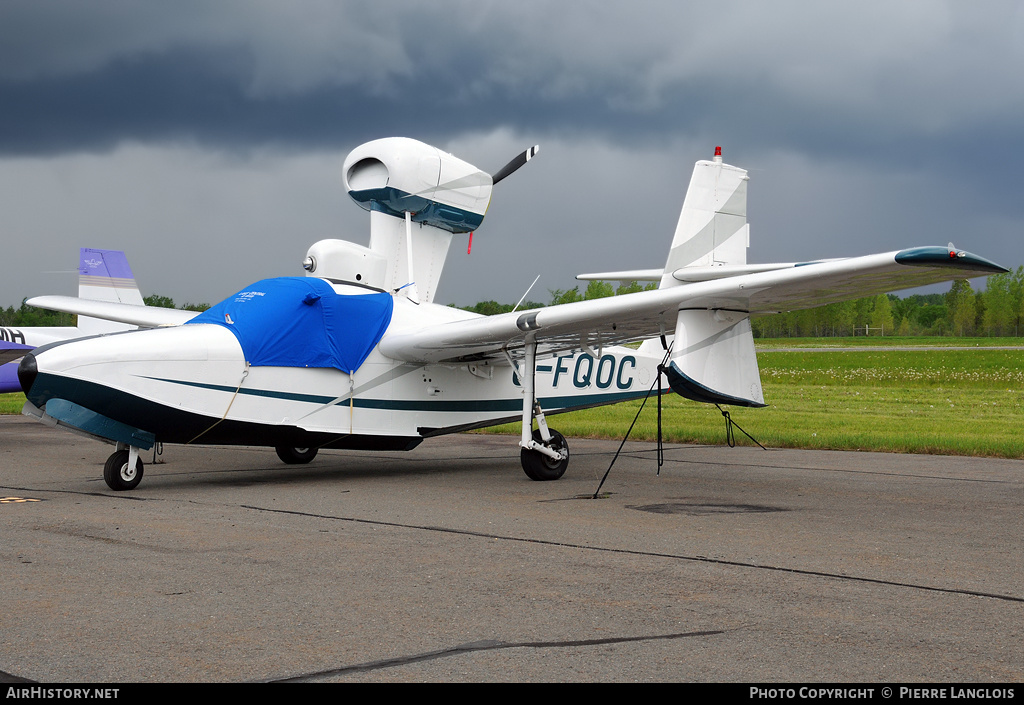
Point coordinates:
[(191, 383)]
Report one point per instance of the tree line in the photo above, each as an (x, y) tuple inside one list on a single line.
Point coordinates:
[(997, 310)]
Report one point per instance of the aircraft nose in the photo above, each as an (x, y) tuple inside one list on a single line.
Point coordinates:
[(27, 372)]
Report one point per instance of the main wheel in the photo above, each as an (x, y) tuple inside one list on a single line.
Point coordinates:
[(295, 456), (118, 475), (538, 466)]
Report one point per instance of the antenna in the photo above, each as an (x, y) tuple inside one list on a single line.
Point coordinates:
[(524, 295)]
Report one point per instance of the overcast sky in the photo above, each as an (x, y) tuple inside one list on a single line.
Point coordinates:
[(206, 138)]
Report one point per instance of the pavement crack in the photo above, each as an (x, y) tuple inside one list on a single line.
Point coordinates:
[(484, 645), (656, 554)]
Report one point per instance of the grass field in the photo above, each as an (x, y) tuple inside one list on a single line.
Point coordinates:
[(965, 401), (11, 403), (876, 341), (968, 401)]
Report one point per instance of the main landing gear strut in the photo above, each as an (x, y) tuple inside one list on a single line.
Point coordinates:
[(545, 453)]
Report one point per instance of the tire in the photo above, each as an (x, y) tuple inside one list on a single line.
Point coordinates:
[(118, 476), (540, 467), (295, 456)]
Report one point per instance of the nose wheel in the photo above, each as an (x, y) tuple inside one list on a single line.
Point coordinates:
[(120, 473)]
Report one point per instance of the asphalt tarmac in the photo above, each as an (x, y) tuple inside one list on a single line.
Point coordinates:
[(447, 564)]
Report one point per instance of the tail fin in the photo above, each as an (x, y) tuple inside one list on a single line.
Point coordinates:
[(104, 275), (713, 359), (712, 228)]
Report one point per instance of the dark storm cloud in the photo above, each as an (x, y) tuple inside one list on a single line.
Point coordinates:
[(838, 80), (188, 95), (215, 89), (203, 95), (866, 126)]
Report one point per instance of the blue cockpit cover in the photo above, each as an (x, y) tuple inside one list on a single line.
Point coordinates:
[(302, 322)]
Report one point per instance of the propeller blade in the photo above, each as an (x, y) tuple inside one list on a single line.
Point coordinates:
[(515, 163)]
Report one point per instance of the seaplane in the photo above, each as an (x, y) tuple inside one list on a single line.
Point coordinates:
[(355, 354)]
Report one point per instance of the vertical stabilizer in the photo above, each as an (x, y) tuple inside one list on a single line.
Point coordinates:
[(712, 228), (104, 275)]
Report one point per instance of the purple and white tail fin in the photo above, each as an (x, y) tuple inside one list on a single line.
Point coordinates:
[(104, 275)]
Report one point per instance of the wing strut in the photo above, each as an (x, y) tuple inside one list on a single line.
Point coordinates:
[(412, 293)]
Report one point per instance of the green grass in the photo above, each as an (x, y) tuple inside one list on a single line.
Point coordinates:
[(11, 403), (862, 341), (956, 402)]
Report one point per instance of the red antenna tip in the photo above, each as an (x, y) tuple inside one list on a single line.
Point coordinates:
[(718, 151)]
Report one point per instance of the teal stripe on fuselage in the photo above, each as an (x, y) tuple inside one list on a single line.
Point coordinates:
[(289, 396), (548, 403), (441, 406)]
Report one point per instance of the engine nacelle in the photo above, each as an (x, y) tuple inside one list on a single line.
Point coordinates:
[(396, 175)]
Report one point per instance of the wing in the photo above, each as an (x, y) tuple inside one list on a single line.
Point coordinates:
[(144, 316), (593, 324)]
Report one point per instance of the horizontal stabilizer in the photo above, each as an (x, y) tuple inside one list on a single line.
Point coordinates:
[(630, 275), (713, 359), (703, 274)]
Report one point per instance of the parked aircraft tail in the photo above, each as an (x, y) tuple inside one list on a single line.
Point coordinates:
[(711, 236), (713, 357), (104, 275), (712, 230)]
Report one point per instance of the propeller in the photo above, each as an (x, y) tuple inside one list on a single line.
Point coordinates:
[(515, 163)]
